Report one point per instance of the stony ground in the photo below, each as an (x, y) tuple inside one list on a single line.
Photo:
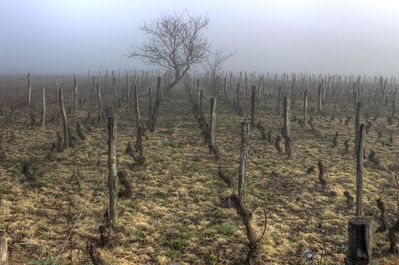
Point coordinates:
[(177, 212)]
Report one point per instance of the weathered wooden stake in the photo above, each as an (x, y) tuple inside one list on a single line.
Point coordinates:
[(278, 100), (245, 127), (100, 102), (3, 248), (43, 107), (64, 117), (286, 113), (359, 227), (238, 108), (253, 102), (29, 90), (112, 172), (212, 126), (357, 123), (75, 94), (359, 170), (158, 100), (319, 99), (305, 107)]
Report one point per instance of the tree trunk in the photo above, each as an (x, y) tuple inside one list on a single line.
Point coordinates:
[(112, 172), (64, 117)]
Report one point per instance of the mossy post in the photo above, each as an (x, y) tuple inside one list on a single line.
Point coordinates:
[(305, 107), (64, 117), (29, 90), (253, 102), (359, 227), (43, 107), (358, 115), (75, 93), (245, 127), (212, 126), (112, 172), (3, 248)]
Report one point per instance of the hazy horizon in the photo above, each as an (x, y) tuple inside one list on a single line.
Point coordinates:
[(62, 37)]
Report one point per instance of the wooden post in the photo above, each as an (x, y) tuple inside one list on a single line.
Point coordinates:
[(29, 90), (359, 170), (225, 89), (359, 227), (64, 117), (253, 102), (158, 100), (245, 127), (359, 241), (201, 106), (395, 96), (246, 87), (100, 102), (43, 107), (212, 126), (128, 88), (114, 87), (94, 86), (112, 172), (3, 248), (319, 99), (150, 111), (238, 108), (75, 94), (357, 124), (278, 100), (137, 106), (287, 127), (305, 107)]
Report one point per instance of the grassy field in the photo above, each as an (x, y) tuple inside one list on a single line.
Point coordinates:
[(178, 211)]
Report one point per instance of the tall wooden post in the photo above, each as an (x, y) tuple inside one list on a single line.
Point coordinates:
[(286, 113), (359, 170), (112, 172), (43, 107), (253, 102), (319, 99), (238, 108), (3, 248), (212, 126), (305, 107), (150, 110), (64, 117), (114, 87), (357, 123), (359, 228), (100, 103), (278, 100), (29, 90), (158, 100), (75, 94), (245, 127), (128, 87)]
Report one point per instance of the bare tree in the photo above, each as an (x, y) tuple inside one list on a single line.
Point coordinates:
[(216, 59), (175, 42)]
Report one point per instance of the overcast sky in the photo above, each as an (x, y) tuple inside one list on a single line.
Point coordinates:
[(324, 36)]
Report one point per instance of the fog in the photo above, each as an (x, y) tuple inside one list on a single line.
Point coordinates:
[(325, 36)]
